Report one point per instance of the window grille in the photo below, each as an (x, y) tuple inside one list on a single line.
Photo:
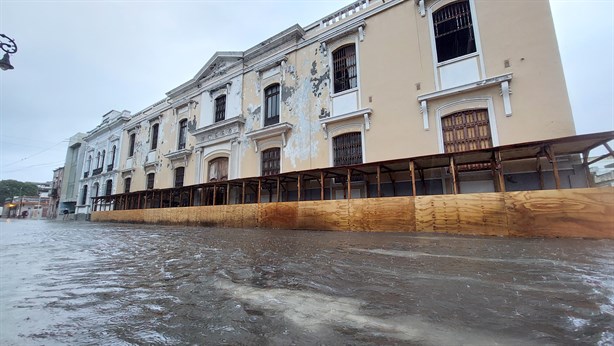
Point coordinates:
[(271, 104), (154, 136), (183, 129), (179, 172), (467, 130), (347, 149), (220, 108), (453, 28), (150, 180), (271, 161), (344, 64)]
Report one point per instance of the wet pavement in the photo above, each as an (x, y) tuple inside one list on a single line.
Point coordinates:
[(87, 283)]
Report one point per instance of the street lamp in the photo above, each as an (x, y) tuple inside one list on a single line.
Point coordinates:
[(8, 48)]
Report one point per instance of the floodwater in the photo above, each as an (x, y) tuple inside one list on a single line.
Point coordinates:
[(66, 282)]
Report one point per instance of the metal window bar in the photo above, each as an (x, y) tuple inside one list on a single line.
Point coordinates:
[(453, 28), (271, 161), (220, 108), (344, 67), (347, 149)]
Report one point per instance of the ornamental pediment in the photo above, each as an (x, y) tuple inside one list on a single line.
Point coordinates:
[(222, 131)]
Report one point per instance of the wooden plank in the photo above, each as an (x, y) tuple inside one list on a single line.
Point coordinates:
[(454, 175), (259, 189), (586, 213), (324, 215), (412, 172), (473, 214), (283, 215), (298, 187), (555, 167), (395, 214)]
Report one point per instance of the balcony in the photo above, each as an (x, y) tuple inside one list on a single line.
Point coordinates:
[(97, 171), (86, 174), (109, 167)]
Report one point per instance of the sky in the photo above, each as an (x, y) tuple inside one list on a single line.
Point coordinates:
[(77, 60)]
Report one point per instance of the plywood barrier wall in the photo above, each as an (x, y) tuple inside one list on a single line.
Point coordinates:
[(587, 213)]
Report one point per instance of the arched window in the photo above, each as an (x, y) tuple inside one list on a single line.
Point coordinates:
[(183, 131), (347, 149), (271, 105), (466, 130), (345, 68), (179, 172), (271, 161), (127, 182), (84, 195), (108, 187), (220, 108), (453, 28), (88, 164), (218, 169), (154, 136)]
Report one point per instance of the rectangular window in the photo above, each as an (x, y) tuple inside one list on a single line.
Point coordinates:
[(150, 180), (154, 136), (220, 108), (183, 129), (109, 187), (179, 172), (131, 145), (453, 29), (127, 182), (271, 105), (271, 161), (218, 169), (467, 130), (347, 149), (345, 69)]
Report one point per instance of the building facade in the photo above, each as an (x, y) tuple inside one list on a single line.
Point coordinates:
[(100, 169), (374, 81), (55, 193), (72, 173)]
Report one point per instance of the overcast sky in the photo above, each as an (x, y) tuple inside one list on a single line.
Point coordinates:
[(79, 59)]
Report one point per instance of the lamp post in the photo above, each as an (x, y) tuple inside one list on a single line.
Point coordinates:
[(9, 46)]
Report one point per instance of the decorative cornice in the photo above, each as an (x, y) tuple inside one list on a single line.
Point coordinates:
[(365, 113), (222, 131), (270, 131), (466, 87), (179, 154)]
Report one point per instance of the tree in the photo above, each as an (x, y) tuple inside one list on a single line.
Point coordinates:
[(11, 188)]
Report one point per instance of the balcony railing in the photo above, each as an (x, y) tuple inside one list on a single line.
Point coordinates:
[(345, 13), (109, 167), (86, 174), (97, 171)]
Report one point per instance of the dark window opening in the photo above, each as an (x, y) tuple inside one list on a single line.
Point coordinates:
[(154, 136), (96, 189), (179, 172), (84, 195), (150, 180), (271, 105), (131, 146), (102, 160), (218, 169), (127, 182), (271, 160), (347, 149), (98, 160), (467, 130), (453, 31), (183, 129), (220, 108), (109, 187), (112, 163), (344, 64)]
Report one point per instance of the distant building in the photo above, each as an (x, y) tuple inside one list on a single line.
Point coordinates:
[(602, 173), (73, 167), (55, 193)]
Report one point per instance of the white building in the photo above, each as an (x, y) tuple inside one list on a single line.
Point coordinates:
[(100, 161)]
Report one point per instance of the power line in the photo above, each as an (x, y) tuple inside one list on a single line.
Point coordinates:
[(38, 153), (32, 166)]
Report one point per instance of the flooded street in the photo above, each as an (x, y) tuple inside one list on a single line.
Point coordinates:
[(88, 283)]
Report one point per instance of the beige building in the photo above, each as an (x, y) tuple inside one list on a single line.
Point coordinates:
[(375, 81)]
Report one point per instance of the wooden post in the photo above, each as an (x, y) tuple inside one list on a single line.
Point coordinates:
[(499, 167), (243, 192), (453, 173), (412, 171), (278, 191), (227, 193), (321, 185), (349, 196), (539, 171), (298, 187), (214, 193), (191, 197), (555, 168), (379, 181), (259, 188)]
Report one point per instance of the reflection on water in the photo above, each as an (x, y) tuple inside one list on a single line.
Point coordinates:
[(88, 283)]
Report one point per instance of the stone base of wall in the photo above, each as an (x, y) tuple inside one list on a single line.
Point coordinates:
[(576, 213)]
